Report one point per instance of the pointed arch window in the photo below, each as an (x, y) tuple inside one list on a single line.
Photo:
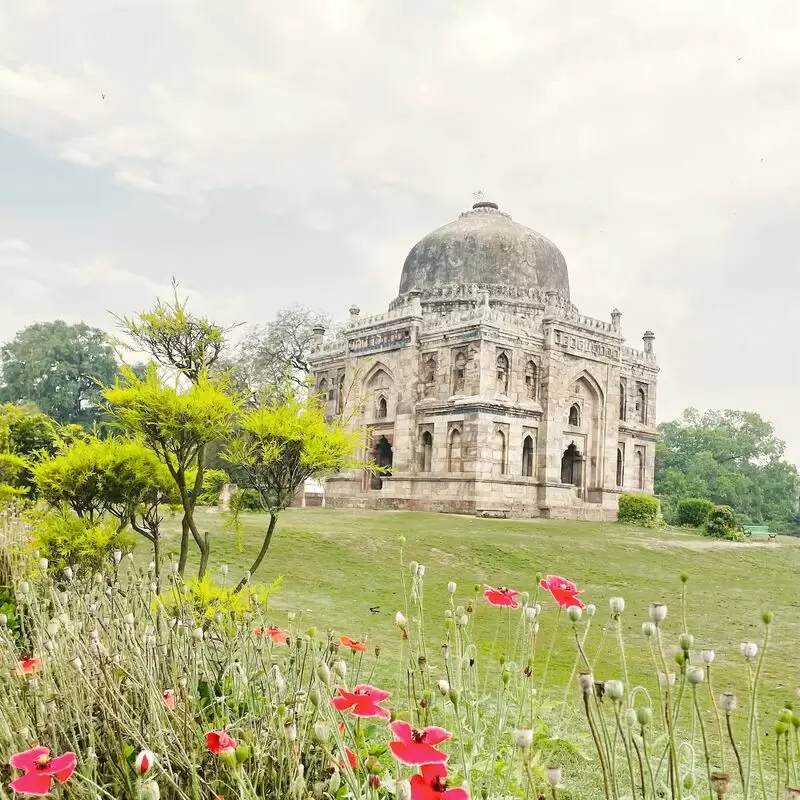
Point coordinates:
[(499, 453), (641, 404), (459, 373), (502, 374), (620, 467), (454, 459), (426, 452), (322, 388), (531, 380), (527, 457), (639, 469), (623, 400), (382, 409), (340, 395), (575, 415), (429, 375)]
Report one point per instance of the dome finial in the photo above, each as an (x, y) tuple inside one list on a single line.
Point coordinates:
[(481, 201)]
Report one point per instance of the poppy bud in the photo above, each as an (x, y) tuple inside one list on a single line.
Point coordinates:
[(523, 738), (766, 617), (451, 587), (749, 650), (372, 764), (574, 613), (334, 782), (242, 753), (149, 791), (223, 569), (686, 641), (616, 604), (688, 782), (614, 689), (553, 775), (684, 577), (374, 781), (401, 540), (443, 686), (228, 756), (680, 658), (781, 728), (144, 761), (314, 696), (648, 628), (728, 702), (707, 656), (340, 668), (311, 632), (453, 695), (644, 716), (658, 612), (402, 790), (322, 731), (695, 675), (324, 673), (43, 564)]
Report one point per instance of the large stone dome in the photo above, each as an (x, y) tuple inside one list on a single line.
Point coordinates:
[(485, 246)]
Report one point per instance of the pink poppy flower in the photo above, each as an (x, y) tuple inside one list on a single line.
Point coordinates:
[(169, 698), (218, 741), (29, 665), (432, 785), (353, 644), (416, 746), (501, 597), (564, 592), (363, 701), (40, 770)]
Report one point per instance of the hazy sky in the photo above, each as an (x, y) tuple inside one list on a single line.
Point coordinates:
[(267, 153)]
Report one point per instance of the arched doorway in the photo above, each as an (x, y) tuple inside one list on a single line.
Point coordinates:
[(382, 456), (572, 466)]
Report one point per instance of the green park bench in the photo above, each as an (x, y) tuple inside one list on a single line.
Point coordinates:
[(761, 530)]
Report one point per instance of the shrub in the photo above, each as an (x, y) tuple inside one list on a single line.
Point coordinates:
[(721, 524), (245, 500), (65, 539), (638, 509), (213, 481), (694, 511)]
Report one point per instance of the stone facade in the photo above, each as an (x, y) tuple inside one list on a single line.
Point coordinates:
[(493, 396)]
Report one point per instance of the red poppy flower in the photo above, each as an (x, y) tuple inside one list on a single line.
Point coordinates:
[(564, 592), (169, 698), (363, 701), (432, 785), (416, 746), (353, 644), (29, 665), (218, 741), (278, 635), (40, 770), (501, 597), (351, 757)]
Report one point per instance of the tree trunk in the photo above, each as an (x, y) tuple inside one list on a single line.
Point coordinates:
[(205, 549), (184, 553), (273, 519), (157, 560)]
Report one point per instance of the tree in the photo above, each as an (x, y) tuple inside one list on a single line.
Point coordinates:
[(731, 458), (283, 441), (190, 346), (59, 368), (278, 352), (176, 424)]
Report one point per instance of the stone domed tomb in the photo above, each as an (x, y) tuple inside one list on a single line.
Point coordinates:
[(482, 388)]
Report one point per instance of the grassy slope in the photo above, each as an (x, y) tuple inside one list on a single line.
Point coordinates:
[(337, 564)]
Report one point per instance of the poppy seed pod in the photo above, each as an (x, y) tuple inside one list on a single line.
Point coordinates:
[(451, 587), (463, 621), (197, 634), (402, 790), (614, 690), (68, 573), (591, 610), (574, 613), (420, 570), (720, 783), (413, 567), (129, 619), (443, 686), (523, 738), (707, 656), (616, 604), (749, 650), (223, 569), (728, 702), (666, 680), (695, 675), (686, 641), (322, 731), (401, 540), (553, 775), (149, 791), (630, 717), (3, 620), (530, 613), (23, 587), (324, 673), (340, 667), (335, 781), (648, 628), (117, 556), (290, 730), (791, 793), (400, 620), (658, 612)]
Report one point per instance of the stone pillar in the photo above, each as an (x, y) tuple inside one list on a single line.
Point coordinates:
[(319, 333), (648, 339), (354, 312), (616, 319)]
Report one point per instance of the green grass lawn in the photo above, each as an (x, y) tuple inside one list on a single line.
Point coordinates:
[(338, 564)]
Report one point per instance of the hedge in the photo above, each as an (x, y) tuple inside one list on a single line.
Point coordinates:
[(694, 511), (638, 509)]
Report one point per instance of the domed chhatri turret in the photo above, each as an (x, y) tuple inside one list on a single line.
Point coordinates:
[(485, 246)]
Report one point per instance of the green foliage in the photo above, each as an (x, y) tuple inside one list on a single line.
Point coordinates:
[(213, 481), (68, 540), (59, 368), (721, 524), (24, 430), (728, 457), (204, 598), (694, 511), (286, 440), (638, 509), (245, 500)]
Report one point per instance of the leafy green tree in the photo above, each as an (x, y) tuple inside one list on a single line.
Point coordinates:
[(732, 458), (24, 430), (280, 444), (59, 368), (176, 423)]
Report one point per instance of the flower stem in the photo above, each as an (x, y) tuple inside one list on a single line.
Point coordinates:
[(626, 747), (705, 741), (719, 720), (736, 754)]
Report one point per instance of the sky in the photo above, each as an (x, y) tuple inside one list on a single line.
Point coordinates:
[(270, 153)]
